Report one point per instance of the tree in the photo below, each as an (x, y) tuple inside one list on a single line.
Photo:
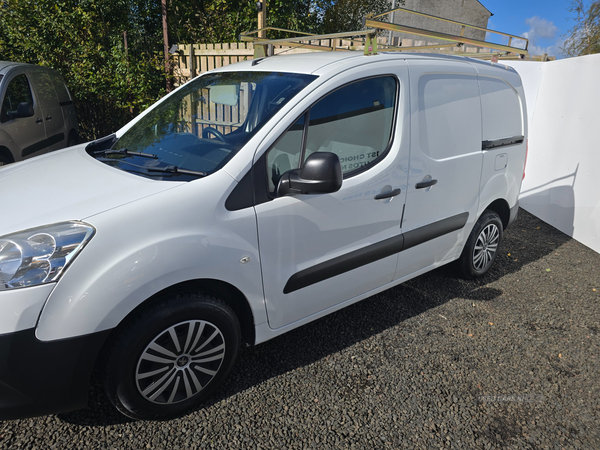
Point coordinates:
[(110, 51), (584, 37), (347, 15), (84, 40)]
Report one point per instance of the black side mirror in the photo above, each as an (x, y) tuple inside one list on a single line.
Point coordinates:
[(321, 174), (24, 110)]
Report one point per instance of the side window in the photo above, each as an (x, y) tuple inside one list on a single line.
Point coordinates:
[(449, 115), (502, 117), (354, 122), (18, 91), (285, 154)]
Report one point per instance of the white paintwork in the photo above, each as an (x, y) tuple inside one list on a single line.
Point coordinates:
[(504, 183), (298, 232), (497, 98), (146, 246), (445, 146), (152, 235), (560, 186), (21, 307), (69, 185)]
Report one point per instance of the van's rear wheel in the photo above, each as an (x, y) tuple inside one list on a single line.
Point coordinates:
[(482, 246), (171, 356)]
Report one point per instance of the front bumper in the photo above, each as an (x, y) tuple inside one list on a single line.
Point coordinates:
[(38, 378)]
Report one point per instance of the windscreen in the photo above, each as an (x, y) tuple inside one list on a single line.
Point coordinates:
[(202, 125)]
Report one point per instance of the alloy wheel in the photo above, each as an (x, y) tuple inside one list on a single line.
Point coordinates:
[(486, 247), (180, 362)]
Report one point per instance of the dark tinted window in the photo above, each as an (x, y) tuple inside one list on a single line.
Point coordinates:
[(18, 91)]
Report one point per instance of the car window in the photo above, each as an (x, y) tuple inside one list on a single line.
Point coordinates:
[(206, 122), (354, 122), (17, 91), (286, 153)]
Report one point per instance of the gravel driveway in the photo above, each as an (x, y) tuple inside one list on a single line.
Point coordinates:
[(510, 361)]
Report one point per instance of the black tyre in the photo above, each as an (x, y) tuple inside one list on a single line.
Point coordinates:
[(482, 246), (171, 356), (4, 160)]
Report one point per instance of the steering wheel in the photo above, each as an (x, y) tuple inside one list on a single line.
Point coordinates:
[(211, 130)]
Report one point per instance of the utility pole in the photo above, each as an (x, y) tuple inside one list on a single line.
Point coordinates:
[(261, 7), (166, 43), (391, 21)]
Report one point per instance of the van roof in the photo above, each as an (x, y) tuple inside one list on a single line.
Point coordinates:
[(5, 66), (315, 62)]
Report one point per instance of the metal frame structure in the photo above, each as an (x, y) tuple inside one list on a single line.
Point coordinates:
[(264, 47)]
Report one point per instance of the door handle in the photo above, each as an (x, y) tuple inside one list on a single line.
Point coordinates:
[(48, 117), (425, 184), (387, 194), (39, 121)]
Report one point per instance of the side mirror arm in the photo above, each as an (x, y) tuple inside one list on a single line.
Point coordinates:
[(321, 174), (284, 187)]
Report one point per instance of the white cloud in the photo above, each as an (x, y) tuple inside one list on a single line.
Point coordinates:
[(552, 50), (539, 30)]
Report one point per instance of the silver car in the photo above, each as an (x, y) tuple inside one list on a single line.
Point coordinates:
[(37, 114)]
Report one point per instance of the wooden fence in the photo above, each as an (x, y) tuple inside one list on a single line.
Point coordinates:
[(192, 60)]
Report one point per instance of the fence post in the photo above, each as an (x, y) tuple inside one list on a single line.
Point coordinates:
[(192, 62)]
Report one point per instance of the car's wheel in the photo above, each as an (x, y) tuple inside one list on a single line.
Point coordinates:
[(4, 160), (482, 246), (171, 356)]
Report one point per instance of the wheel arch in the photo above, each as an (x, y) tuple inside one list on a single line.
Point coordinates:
[(500, 207), (4, 151), (228, 293)]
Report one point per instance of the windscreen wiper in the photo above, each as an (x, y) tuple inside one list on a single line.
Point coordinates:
[(124, 151), (175, 169)]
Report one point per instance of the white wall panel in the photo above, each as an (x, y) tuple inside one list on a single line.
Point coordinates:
[(561, 184)]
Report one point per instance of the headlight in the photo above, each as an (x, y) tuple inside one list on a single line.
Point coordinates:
[(41, 254)]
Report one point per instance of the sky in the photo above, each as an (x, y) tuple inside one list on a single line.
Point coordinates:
[(543, 22)]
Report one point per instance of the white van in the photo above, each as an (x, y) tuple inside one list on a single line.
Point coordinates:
[(248, 202), (37, 114)]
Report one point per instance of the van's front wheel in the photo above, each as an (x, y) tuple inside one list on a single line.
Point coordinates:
[(482, 246), (171, 356)]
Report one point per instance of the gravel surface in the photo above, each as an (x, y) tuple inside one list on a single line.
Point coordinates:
[(509, 361)]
